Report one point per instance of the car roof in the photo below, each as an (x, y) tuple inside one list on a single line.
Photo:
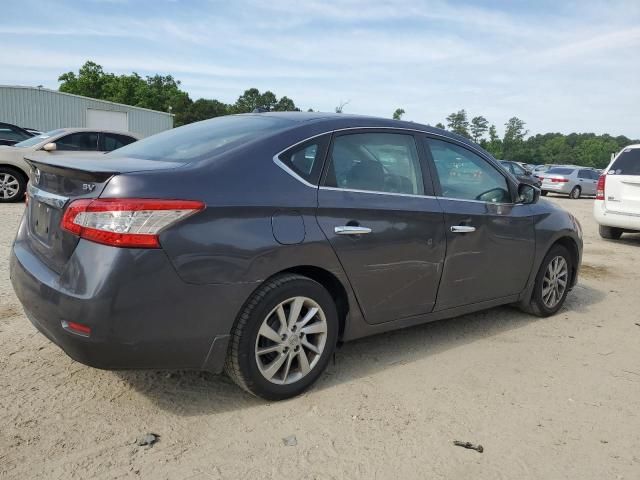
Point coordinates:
[(345, 120)]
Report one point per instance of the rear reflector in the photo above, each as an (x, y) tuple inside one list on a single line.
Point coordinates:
[(78, 328), (127, 222), (600, 188), (559, 180)]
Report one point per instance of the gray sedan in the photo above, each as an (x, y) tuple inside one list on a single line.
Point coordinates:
[(572, 181), (255, 243)]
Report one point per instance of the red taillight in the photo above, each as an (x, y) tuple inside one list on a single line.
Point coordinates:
[(600, 187), (78, 328), (129, 222), (559, 180)]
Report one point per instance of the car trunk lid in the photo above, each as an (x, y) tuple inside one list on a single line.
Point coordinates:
[(54, 184)]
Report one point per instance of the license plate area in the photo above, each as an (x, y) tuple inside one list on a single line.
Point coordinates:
[(43, 218)]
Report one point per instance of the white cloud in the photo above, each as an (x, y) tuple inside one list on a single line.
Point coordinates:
[(566, 68)]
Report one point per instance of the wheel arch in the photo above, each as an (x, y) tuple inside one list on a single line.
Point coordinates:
[(571, 245), (15, 168), (333, 285)]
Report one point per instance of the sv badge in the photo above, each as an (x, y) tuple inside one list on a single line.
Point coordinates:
[(88, 187)]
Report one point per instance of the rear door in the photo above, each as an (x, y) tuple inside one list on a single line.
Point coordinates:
[(622, 187), (490, 239), (376, 208), (586, 181)]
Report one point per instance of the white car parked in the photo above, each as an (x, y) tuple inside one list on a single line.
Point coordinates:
[(14, 171), (617, 205)]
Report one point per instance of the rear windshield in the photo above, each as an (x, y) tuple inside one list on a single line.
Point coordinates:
[(561, 171), (202, 139), (30, 142), (627, 163)]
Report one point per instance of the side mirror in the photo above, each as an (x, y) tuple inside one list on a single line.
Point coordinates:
[(528, 194), (49, 147)]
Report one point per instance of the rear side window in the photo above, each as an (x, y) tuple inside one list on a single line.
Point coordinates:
[(585, 174), (561, 171), (306, 160), (203, 139), (113, 141), (376, 162), (627, 163)]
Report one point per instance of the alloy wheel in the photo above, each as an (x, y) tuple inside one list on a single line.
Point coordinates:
[(9, 186), (555, 280), (291, 340)]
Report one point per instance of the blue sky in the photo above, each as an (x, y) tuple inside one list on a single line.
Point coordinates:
[(560, 66)]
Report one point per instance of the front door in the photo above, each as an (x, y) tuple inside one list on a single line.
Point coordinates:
[(490, 240), (387, 234)]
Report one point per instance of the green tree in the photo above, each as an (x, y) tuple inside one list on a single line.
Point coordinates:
[(479, 126), (397, 115), (494, 145), (513, 147), (91, 81), (440, 126), (457, 123)]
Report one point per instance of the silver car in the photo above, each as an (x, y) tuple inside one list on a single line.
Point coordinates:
[(14, 171), (570, 180)]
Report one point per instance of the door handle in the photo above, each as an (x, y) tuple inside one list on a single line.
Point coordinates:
[(351, 230), (462, 229)]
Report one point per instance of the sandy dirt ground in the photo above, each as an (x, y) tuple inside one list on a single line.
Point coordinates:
[(547, 398)]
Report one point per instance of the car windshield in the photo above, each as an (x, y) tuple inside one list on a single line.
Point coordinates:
[(561, 171), (195, 141), (627, 163), (30, 142)]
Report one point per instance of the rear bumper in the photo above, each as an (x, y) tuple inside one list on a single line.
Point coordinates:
[(141, 314), (615, 219)]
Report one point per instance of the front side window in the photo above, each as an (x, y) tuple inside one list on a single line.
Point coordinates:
[(377, 162), (518, 170), (80, 141), (467, 176)]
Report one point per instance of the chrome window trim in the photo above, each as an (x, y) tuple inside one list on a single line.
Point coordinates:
[(376, 192), (281, 164), (51, 199)]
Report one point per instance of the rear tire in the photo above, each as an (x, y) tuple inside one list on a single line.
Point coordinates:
[(274, 353), (575, 193), (610, 233), (13, 185), (542, 302)]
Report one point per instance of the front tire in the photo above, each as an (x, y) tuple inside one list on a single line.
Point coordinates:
[(575, 193), (283, 338), (13, 185), (610, 233), (552, 282)]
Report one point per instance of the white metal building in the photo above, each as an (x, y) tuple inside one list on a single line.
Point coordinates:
[(44, 109)]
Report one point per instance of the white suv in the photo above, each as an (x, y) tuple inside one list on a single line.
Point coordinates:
[(617, 205)]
